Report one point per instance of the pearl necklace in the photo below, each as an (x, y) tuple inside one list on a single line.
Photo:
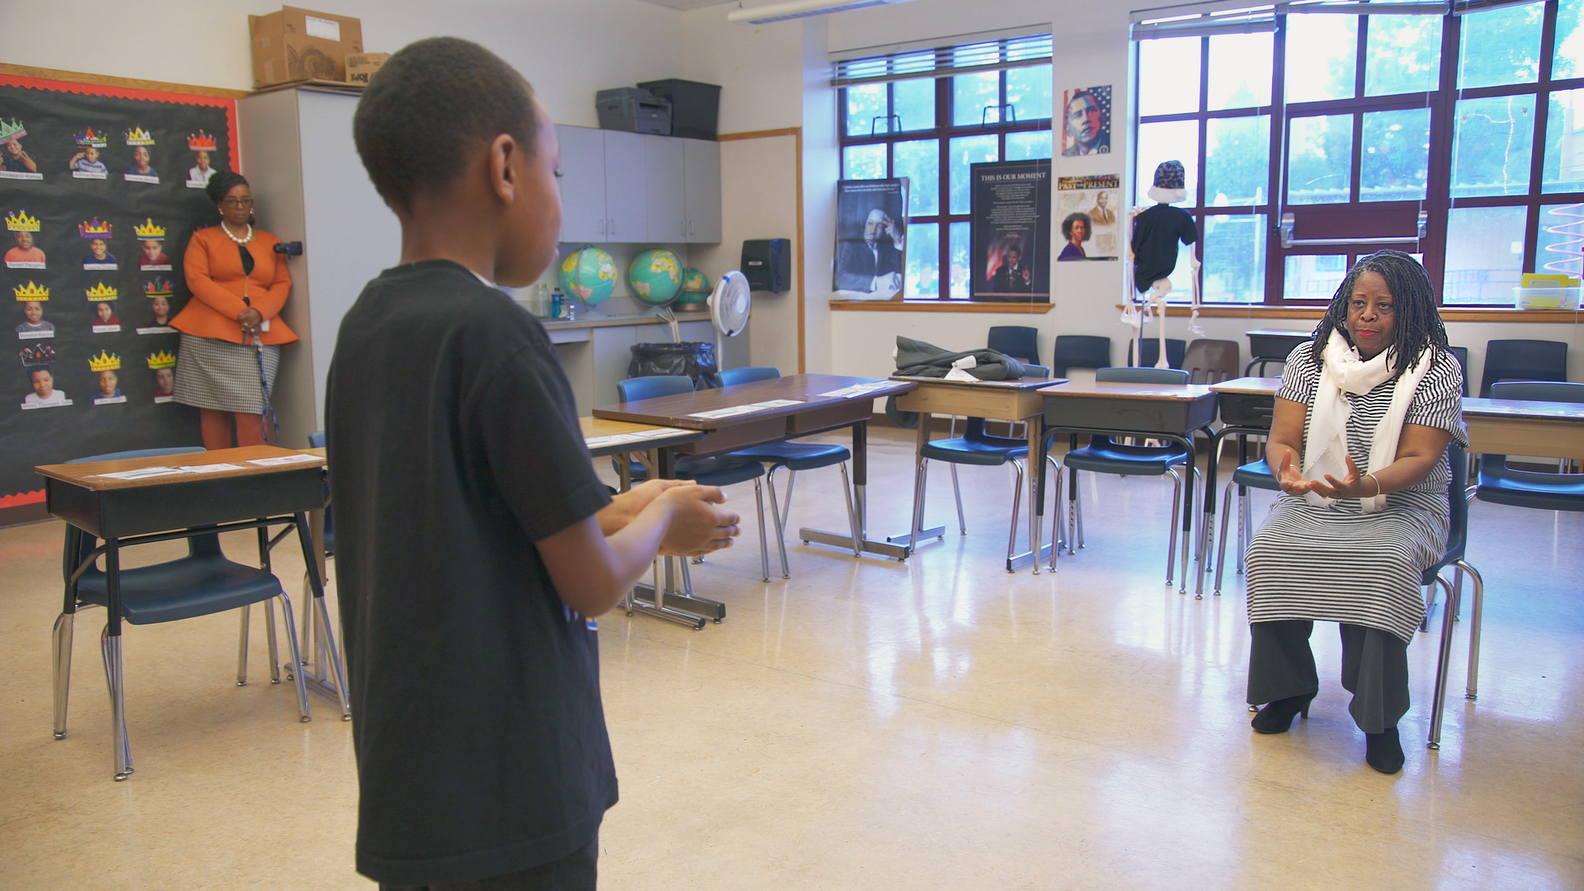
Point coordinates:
[(236, 239)]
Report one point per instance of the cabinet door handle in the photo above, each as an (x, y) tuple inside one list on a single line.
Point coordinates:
[(600, 227), (613, 226)]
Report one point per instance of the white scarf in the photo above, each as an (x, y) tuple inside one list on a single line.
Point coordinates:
[(1326, 446)]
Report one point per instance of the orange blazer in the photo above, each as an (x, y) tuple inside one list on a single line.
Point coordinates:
[(214, 275)]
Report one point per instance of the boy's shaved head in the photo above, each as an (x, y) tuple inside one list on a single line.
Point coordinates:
[(429, 106)]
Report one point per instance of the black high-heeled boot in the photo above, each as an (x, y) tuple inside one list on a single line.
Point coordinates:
[(1277, 717), (1383, 751)]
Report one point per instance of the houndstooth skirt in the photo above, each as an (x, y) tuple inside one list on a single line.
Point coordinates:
[(224, 376)]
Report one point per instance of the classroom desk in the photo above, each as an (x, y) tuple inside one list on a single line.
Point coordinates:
[(1524, 427), (1155, 411), (1011, 401), (1267, 346), (786, 407), (124, 512)]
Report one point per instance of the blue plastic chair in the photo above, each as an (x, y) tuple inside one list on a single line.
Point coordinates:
[(1253, 475), (1501, 484), (1522, 360), (1021, 342), (795, 457), (200, 584), (720, 470), (1103, 455), (1149, 352), (974, 447), (1434, 577), (1079, 351)]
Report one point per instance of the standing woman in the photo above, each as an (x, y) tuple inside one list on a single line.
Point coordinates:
[(1359, 442), (231, 331)]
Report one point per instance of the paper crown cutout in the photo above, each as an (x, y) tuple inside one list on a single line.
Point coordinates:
[(11, 130), (104, 362), (34, 356), (138, 136), (200, 142), (31, 292), (21, 222), (162, 359), (159, 287), (149, 230), (88, 137), (102, 292), (95, 229)]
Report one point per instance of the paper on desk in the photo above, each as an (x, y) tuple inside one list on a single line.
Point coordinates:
[(734, 410), (856, 390), (285, 459), (141, 473), (209, 468)]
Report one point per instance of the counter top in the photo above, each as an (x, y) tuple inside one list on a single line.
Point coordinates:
[(595, 320)]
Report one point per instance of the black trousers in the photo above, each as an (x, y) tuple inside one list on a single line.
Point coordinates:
[(575, 872), (1374, 670)]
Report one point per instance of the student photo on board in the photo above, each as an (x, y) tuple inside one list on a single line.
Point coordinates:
[(14, 159), (99, 256), (164, 384), (105, 320), (200, 173), (141, 170), (24, 255), (86, 164), (109, 388), (34, 326), (42, 379), (153, 257), (159, 322)]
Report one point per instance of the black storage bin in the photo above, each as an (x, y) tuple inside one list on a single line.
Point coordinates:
[(695, 107), (690, 359)]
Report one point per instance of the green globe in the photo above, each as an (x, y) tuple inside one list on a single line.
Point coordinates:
[(695, 285), (589, 274), (656, 276)]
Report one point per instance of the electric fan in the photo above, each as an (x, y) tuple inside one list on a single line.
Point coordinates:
[(729, 307)]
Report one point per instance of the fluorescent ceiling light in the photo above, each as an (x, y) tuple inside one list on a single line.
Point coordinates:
[(798, 9)]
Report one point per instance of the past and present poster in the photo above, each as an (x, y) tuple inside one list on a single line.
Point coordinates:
[(100, 189)]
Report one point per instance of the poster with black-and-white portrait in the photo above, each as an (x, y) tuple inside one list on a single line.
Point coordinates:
[(871, 238)]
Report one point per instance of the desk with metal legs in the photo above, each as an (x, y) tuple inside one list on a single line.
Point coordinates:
[(1013, 401), (1170, 412), (769, 411), (123, 512)]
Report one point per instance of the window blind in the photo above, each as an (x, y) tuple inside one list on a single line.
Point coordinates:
[(990, 54)]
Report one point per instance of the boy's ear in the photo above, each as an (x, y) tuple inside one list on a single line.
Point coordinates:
[(503, 152)]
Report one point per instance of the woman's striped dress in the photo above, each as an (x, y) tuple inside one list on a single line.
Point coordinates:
[(1338, 564)]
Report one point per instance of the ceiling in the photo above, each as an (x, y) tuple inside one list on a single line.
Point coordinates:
[(685, 4)]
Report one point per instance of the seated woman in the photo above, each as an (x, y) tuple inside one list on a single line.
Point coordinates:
[(1376, 389)]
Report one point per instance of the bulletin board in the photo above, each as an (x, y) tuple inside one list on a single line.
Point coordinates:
[(101, 186)]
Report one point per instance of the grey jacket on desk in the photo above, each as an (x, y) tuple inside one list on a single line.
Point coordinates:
[(915, 358)]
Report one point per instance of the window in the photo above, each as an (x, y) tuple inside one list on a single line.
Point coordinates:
[(927, 114), (1351, 125)]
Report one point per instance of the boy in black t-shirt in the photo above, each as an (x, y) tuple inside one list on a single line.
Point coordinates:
[(473, 535)]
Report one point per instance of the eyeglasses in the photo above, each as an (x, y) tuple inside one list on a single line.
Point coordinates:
[(237, 202)]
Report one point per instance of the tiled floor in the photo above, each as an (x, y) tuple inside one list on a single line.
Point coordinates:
[(869, 724)]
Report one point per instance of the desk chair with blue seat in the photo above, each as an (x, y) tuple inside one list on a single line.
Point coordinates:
[(1021, 342), (1104, 455), (1522, 360), (1453, 558), (1079, 351), (1149, 352), (1253, 475), (1502, 484), (794, 456), (200, 584), (719, 470)]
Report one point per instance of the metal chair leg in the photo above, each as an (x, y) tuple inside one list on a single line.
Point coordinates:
[(1072, 513), (1017, 501), (110, 647), (786, 506), (61, 649), (1226, 511), (764, 548), (852, 510), (274, 648), (1056, 514), (962, 525), (920, 474), (1171, 547), (780, 527), (1442, 663), (1245, 527), (242, 646), (291, 644), (1472, 690)]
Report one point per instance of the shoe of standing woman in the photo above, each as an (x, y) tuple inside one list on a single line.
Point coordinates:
[(1277, 717)]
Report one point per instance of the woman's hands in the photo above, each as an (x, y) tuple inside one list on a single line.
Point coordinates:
[(250, 319), (1352, 485)]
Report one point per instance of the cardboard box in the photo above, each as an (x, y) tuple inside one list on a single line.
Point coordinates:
[(361, 66), (300, 44)]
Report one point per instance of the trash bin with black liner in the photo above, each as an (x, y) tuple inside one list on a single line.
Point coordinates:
[(690, 359)]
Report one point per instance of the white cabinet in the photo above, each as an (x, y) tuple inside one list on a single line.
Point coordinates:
[(701, 185), (635, 188)]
